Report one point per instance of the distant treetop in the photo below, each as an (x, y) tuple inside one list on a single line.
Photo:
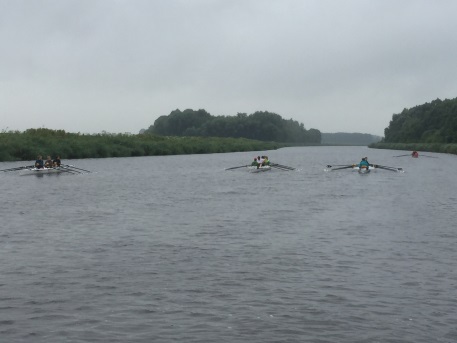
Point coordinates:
[(263, 126)]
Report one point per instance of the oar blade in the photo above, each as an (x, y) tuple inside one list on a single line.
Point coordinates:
[(69, 166), (395, 169), (281, 166), (237, 167), (17, 168)]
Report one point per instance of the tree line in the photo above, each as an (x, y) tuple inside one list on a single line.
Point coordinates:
[(262, 126), (434, 122), (344, 138), (25, 146)]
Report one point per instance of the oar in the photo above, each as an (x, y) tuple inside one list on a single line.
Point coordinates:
[(73, 167), (336, 165), (18, 168), (247, 165), (402, 155), (386, 167), (281, 166), (346, 167), (65, 169)]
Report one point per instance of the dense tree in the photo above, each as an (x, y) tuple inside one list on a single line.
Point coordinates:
[(344, 138), (261, 125), (434, 122)]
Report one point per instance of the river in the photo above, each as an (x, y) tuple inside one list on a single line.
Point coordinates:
[(177, 249)]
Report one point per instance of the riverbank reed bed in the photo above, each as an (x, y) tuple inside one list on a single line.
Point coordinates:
[(450, 148), (25, 146)]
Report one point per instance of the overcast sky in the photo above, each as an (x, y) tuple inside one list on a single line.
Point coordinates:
[(117, 65)]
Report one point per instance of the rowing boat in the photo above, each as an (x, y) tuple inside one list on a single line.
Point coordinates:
[(254, 169), (363, 169), (42, 171)]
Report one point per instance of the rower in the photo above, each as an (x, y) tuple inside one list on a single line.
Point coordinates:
[(415, 154), (48, 163), (254, 163), (364, 163), (39, 162), (56, 161), (260, 160)]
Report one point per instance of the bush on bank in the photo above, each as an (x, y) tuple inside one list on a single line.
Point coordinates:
[(25, 146)]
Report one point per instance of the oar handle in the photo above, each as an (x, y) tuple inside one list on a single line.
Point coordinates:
[(17, 168)]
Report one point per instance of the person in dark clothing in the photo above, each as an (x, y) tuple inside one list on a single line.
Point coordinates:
[(56, 161), (39, 162)]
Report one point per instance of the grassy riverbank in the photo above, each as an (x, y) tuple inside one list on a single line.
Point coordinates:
[(25, 146), (450, 148)]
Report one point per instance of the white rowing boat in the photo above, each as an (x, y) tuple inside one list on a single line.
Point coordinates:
[(254, 169), (42, 171)]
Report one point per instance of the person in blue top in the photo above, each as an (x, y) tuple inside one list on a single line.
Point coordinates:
[(39, 162), (364, 163)]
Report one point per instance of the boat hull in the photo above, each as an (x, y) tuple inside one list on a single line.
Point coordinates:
[(362, 170), (41, 171), (254, 169)]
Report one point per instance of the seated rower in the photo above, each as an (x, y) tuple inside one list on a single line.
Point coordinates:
[(415, 154), (260, 160), (364, 163), (48, 162), (255, 163), (56, 161), (266, 161), (39, 162)]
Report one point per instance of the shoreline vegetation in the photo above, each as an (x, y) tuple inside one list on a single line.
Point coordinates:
[(449, 148), (25, 146), (179, 133), (428, 127)]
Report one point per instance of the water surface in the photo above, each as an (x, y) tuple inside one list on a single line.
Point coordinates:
[(176, 249)]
